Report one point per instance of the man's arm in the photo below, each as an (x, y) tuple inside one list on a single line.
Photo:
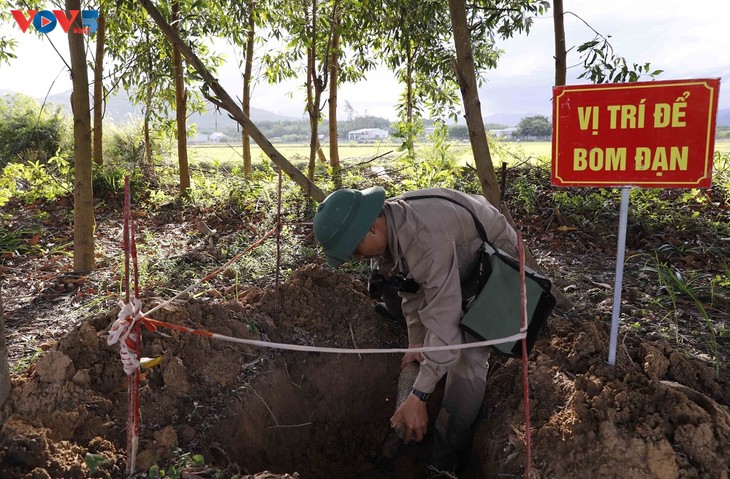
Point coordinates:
[(437, 272)]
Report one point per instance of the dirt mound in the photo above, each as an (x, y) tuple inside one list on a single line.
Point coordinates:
[(656, 414), (247, 410)]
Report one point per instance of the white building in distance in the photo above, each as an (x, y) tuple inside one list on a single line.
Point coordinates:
[(367, 134)]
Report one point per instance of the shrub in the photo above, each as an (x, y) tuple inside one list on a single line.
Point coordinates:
[(30, 132)]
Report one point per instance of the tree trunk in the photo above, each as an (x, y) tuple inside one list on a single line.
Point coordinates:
[(560, 54), (180, 108), (313, 111), (5, 384), (147, 108), (334, 74), (312, 97), (147, 142), (99, 91), (247, 72), (83, 193), (224, 100), (466, 75), (410, 127)]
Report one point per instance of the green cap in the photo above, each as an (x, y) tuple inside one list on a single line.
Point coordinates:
[(343, 219)]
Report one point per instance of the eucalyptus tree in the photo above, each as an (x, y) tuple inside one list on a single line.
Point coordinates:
[(216, 94), (561, 65), (503, 18), (148, 68), (181, 130), (414, 39), (350, 60), (130, 44), (84, 221), (99, 96), (240, 25), (247, 77), (322, 43), (476, 25), (305, 27)]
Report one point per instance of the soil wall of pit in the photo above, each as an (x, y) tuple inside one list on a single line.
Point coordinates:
[(656, 414)]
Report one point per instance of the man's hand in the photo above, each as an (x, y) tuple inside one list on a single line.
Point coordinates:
[(412, 357), (413, 414)]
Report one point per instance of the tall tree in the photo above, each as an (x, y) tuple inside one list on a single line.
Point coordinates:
[(98, 149), (144, 65), (486, 18), (83, 194), (414, 39), (350, 60), (181, 99), (561, 66), (317, 71), (217, 95), (138, 65), (247, 78), (316, 35), (466, 74), (306, 30), (332, 104), (467, 79)]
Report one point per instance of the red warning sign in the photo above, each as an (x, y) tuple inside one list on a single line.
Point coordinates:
[(648, 134)]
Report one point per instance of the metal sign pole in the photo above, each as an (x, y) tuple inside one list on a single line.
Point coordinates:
[(620, 255)]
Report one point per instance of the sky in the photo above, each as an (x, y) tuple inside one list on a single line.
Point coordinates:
[(685, 39)]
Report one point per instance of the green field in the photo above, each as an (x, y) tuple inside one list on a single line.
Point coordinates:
[(510, 151), (232, 154)]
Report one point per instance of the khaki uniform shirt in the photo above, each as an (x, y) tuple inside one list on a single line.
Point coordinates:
[(436, 243)]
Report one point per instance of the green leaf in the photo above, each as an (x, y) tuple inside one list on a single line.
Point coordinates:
[(587, 45)]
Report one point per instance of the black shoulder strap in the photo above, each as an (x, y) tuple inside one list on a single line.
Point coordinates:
[(477, 223)]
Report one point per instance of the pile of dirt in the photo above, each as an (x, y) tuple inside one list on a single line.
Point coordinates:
[(656, 413)]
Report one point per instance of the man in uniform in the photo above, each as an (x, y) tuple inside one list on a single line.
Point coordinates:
[(434, 242)]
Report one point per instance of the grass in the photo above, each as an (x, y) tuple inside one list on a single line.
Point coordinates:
[(660, 214), (231, 155), (510, 151)]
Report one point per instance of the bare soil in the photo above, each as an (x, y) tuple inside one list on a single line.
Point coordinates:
[(660, 412)]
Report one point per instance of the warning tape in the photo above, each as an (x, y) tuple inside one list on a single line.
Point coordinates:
[(153, 324), (124, 332)]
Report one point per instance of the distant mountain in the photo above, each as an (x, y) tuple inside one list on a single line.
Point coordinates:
[(119, 109), (512, 119), (218, 120)]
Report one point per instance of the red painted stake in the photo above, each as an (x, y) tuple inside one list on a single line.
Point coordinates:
[(130, 249)]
